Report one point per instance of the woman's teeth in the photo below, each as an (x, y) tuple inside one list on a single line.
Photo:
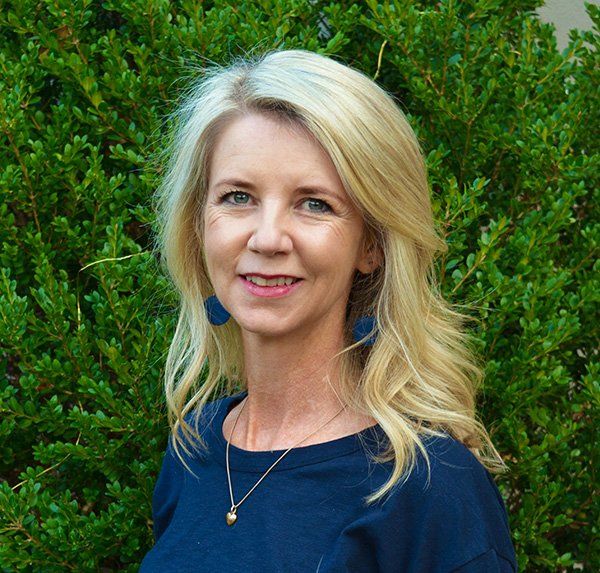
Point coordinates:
[(271, 282)]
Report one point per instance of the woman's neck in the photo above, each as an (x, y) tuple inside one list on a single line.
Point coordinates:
[(292, 391)]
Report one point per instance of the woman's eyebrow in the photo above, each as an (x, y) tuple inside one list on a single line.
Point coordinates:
[(235, 183), (310, 190), (303, 189)]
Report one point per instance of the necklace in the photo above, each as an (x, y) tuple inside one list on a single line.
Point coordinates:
[(231, 516)]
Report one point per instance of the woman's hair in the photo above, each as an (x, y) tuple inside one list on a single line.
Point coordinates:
[(420, 377)]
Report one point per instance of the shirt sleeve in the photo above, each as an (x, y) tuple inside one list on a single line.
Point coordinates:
[(166, 492), (457, 523), (488, 562)]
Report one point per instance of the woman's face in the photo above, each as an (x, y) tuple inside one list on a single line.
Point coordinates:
[(276, 208)]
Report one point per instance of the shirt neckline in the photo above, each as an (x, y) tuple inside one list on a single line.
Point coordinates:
[(260, 461)]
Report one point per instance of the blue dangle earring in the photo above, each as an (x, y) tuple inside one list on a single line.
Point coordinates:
[(215, 311), (364, 326)]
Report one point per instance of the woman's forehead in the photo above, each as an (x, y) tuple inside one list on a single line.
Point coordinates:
[(255, 149)]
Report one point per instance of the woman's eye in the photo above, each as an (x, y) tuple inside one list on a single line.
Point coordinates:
[(236, 197), (317, 206)]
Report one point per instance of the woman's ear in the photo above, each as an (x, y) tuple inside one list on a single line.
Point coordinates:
[(371, 258)]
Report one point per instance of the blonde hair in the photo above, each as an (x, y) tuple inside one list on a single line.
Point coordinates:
[(420, 377)]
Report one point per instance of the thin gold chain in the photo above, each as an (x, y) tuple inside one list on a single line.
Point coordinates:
[(234, 505)]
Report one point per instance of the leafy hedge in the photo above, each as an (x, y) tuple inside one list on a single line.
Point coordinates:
[(509, 126)]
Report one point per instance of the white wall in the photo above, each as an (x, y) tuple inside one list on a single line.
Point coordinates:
[(565, 15)]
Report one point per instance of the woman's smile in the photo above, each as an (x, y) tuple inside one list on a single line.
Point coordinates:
[(258, 286)]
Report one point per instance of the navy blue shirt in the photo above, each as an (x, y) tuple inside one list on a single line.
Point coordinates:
[(309, 515)]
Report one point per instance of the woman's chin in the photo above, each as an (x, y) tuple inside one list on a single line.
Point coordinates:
[(265, 329), (265, 332)]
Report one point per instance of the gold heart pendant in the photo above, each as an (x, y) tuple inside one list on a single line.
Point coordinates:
[(231, 518)]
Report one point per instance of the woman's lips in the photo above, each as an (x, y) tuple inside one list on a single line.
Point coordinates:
[(269, 291)]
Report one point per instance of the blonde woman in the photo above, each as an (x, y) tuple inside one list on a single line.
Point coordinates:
[(296, 224)]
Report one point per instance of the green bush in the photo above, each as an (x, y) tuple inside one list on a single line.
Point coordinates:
[(509, 126)]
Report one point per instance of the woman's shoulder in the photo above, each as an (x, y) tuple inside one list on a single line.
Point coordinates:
[(457, 502), (201, 422), (450, 456), (205, 417), (454, 474), (441, 519)]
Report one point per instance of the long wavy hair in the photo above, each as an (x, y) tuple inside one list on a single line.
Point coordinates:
[(421, 376)]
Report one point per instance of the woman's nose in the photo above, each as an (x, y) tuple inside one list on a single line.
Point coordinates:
[(271, 232)]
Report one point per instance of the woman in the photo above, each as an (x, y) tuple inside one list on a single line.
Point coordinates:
[(296, 224)]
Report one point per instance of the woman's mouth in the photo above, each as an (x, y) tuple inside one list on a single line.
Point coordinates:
[(276, 281), (271, 287)]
